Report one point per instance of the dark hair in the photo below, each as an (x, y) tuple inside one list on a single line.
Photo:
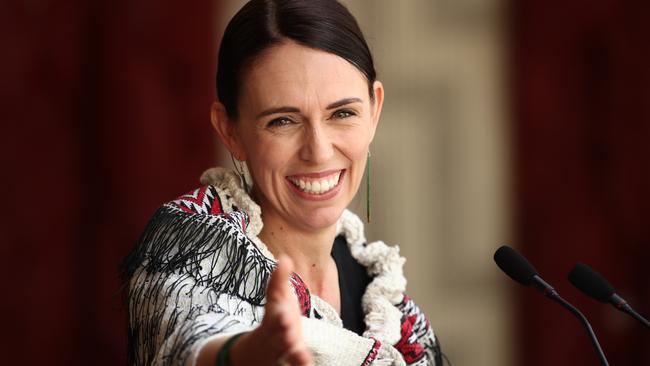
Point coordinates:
[(326, 25)]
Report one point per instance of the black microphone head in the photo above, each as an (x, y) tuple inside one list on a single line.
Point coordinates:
[(515, 265), (591, 282)]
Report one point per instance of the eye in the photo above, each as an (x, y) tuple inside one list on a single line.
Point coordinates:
[(278, 122), (343, 113)]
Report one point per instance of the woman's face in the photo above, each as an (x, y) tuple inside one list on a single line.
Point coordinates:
[(304, 128)]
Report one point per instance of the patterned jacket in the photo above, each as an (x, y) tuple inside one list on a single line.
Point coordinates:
[(199, 273)]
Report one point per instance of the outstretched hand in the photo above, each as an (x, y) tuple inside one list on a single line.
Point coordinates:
[(278, 340)]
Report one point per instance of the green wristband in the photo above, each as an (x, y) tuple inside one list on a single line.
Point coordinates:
[(223, 356)]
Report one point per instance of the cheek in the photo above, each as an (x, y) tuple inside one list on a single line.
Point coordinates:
[(355, 144), (267, 158), (355, 149)]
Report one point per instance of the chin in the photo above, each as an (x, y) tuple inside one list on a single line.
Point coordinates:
[(322, 218)]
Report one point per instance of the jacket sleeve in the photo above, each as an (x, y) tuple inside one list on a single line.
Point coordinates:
[(191, 278), (418, 344), (171, 318)]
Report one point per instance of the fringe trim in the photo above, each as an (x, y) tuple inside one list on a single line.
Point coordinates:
[(178, 242), (229, 186)]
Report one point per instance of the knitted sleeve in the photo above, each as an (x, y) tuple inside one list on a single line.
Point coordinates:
[(191, 278)]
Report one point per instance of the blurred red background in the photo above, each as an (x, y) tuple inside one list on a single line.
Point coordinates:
[(106, 104), (581, 125)]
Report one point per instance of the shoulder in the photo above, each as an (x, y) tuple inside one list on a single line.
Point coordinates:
[(201, 201), (210, 206), (233, 197), (219, 213), (204, 235)]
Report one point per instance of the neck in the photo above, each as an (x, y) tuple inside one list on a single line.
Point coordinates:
[(309, 250)]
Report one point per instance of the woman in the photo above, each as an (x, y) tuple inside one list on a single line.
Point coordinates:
[(298, 105)]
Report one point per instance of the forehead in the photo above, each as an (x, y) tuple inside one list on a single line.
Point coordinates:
[(292, 74)]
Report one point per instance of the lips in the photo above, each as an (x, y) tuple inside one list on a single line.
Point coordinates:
[(316, 184)]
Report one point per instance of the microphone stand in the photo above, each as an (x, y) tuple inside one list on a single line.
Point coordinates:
[(623, 306), (550, 292)]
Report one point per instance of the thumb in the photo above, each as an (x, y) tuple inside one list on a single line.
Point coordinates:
[(278, 288)]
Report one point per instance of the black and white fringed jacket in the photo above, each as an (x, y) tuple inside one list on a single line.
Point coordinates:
[(199, 273)]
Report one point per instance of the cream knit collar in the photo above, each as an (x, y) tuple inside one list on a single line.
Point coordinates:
[(383, 263)]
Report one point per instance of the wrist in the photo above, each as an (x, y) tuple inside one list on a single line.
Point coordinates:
[(225, 354)]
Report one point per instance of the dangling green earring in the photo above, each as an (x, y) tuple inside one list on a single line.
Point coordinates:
[(368, 187)]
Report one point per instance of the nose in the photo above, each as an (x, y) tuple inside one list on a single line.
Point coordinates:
[(317, 145)]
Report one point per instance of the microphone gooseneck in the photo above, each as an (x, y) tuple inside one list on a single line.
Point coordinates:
[(517, 267), (586, 325), (594, 285)]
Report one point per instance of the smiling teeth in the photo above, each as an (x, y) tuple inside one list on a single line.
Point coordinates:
[(317, 186)]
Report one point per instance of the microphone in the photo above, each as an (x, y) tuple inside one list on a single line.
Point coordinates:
[(517, 267), (594, 285)]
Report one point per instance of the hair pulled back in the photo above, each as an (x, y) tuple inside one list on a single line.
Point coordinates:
[(325, 25)]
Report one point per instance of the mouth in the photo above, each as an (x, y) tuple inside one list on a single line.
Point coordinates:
[(317, 184)]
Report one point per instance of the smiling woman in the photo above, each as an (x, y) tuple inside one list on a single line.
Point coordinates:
[(275, 270), (304, 115)]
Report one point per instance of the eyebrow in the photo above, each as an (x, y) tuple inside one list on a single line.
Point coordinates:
[(343, 102), (278, 110), (287, 109)]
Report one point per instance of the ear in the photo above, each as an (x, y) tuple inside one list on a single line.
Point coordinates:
[(227, 131), (376, 106)]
